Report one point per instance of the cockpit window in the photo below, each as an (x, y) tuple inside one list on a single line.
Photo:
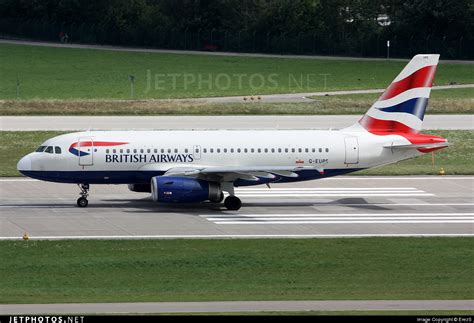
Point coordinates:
[(40, 149), (57, 150), (49, 150)]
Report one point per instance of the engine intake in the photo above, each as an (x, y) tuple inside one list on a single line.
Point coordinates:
[(172, 189)]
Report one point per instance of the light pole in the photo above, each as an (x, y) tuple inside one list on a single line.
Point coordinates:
[(388, 49)]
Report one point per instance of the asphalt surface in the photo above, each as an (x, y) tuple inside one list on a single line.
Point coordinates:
[(244, 306), (335, 207), (70, 123), (195, 52)]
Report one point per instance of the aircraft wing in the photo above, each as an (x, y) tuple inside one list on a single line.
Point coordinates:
[(232, 173)]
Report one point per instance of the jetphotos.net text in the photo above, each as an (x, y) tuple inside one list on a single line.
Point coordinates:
[(226, 81)]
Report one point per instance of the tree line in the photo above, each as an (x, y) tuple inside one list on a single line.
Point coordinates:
[(357, 27)]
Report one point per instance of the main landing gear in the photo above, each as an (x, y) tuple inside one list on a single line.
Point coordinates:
[(82, 201), (232, 202)]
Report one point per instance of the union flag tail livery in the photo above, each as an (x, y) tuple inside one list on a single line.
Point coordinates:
[(402, 106), (193, 166)]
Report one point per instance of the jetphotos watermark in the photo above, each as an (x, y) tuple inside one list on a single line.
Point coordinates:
[(238, 81)]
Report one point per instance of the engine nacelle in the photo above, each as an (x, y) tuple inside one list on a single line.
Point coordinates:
[(172, 189), (142, 188)]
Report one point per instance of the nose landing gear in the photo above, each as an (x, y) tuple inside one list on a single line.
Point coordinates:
[(82, 201)]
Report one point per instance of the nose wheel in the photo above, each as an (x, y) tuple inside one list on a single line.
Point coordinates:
[(82, 201), (232, 203)]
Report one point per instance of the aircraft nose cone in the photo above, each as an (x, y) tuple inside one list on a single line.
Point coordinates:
[(24, 164)]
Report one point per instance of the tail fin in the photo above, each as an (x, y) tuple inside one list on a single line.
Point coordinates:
[(402, 106)]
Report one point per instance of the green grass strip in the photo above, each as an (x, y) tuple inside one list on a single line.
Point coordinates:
[(65, 73), (211, 270)]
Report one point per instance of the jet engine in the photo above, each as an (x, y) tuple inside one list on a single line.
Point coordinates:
[(172, 189)]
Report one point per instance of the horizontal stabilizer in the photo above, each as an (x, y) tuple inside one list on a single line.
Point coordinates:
[(417, 146)]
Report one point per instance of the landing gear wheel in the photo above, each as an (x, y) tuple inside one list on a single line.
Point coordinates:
[(82, 202), (232, 203)]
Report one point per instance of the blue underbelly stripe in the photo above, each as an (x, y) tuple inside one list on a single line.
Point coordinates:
[(138, 177)]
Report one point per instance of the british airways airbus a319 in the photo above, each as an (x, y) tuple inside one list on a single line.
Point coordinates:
[(198, 166)]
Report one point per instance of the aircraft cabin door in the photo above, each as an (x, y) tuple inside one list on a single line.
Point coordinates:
[(85, 147), (197, 152), (352, 150)]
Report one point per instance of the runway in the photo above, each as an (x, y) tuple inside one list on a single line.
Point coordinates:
[(71, 123), (242, 306), (350, 206)]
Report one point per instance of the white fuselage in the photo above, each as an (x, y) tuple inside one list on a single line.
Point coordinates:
[(105, 157)]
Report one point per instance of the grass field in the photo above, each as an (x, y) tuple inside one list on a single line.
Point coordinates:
[(187, 270), (453, 101), (62, 73), (340, 313), (456, 159)]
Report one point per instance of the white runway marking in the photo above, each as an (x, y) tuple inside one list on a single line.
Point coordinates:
[(342, 218)]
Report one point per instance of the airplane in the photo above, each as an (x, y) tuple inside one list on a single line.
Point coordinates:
[(199, 166)]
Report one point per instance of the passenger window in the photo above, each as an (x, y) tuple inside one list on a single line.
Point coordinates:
[(266, 150), (314, 150), (279, 150), (128, 151), (225, 150), (114, 151), (205, 150), (238, 150), (49, 150), (232, 150), (218, 150), (141, 151), (148, 151), (327, 150), (40, 149), (306, 150), (162, 151), (57, 150), (186, 150), (252, 150), (286, 150), (107, 151), (155, 151), (211, 150), (175, 150), (300, 150), (273, 150), (169, 151), (259, 150), (121, 151), (245, 150), (293, 150), (320, 150), (134, 151)]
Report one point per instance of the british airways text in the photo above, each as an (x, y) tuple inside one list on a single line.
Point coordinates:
[(142, 158)]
